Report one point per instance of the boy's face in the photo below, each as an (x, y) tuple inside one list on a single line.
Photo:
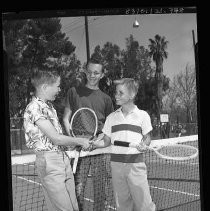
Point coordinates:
[(123, 95), (52, 90), (94, 74)]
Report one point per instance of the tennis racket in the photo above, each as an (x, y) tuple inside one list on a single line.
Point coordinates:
[(84, 123), (170, 151)]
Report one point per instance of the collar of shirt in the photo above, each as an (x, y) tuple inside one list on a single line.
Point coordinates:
[(48, 103), (134, 110)]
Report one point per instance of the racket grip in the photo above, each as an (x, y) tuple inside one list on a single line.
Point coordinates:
[(124, 144), (75, 162)]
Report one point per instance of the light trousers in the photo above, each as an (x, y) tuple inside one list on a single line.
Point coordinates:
[(131, 188), (57, 181)]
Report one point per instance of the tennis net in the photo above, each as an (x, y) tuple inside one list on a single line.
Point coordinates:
[(174, 185)]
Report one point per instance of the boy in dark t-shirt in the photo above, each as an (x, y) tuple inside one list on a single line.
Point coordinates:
[(82, 96), (92, 97)]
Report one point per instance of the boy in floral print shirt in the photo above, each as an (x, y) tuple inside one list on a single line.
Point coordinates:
[(43, 134), (35, 138)]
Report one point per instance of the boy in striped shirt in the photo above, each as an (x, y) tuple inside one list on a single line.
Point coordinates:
[(129, 172)]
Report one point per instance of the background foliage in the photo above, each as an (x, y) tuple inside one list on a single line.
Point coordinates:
[(40, 43)]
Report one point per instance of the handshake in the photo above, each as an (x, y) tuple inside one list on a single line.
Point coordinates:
[(92, 142)]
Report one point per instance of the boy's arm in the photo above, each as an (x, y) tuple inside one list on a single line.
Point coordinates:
[(146, 129), (103, 142), (146, 139), (70, 97), (145, 142), (66, 117), (59, 139)]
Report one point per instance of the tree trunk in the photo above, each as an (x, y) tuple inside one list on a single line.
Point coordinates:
[(189, 115), (159, 82)]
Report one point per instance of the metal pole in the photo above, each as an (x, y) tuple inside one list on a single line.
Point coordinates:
[(4, 42), (195, 53), (193, 34), (87, 38)]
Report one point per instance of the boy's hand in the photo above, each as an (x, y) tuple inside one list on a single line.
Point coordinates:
[(91, 143), (142, 147), (85, 143), (96, 141)]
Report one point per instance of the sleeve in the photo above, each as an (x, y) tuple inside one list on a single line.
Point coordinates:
[(146, 124), (107, 127), (35, 113), (109, 107), (69, 97)]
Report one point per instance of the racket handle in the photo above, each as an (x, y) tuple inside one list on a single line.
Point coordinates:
[(75, 162), (124, 144)]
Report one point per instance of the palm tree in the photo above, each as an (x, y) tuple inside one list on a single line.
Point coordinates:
[(158, 53)]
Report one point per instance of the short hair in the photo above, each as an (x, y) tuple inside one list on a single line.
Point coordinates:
[(95, 61), (131, 84), (40, 77)]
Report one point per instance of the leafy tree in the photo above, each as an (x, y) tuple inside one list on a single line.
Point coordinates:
[(135, 62), (131, 58), (186, 86), (31, 44), (69, 70), (181, 101), (158, 52)]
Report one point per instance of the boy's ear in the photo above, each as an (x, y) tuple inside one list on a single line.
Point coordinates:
[(132, 95), (43, 86), (102, 75)]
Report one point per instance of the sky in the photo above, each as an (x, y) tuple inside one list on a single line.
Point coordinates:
[(177, 29)]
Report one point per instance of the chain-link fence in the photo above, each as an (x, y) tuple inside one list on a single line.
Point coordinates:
[(169, 130), (17, 136)]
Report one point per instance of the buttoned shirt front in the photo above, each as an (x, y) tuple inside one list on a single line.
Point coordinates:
[(35, 138), (129, 128)]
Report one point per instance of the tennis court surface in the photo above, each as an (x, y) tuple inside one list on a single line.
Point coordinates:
[(174, 185)]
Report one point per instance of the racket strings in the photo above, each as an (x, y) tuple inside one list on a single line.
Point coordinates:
[(84, 124), (177, 151)]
